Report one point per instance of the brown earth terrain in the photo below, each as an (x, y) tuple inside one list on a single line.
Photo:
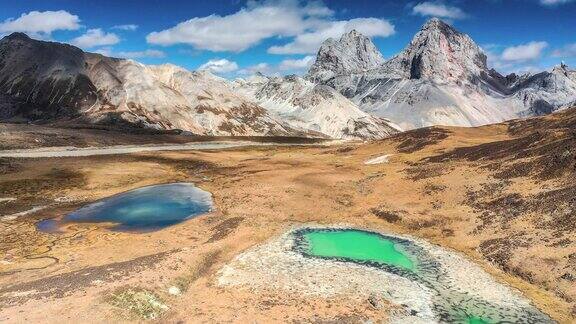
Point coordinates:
[(27, 136), (503, 195)]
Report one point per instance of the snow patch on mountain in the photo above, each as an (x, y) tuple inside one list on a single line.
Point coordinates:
[(379, 160)]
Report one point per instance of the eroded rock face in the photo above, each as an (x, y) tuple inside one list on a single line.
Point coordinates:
[(440, 52)]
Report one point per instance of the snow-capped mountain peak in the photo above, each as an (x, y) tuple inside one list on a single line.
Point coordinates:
[(352, 53)]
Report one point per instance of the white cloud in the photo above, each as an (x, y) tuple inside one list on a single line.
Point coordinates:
[(287, 66), (263, 68), (554, 2), (317, 9), (525, 52), (219, 66), (109, 51), (309, 42), (438, 9), (523, 69), (566, 51), (494, 58), (95, 37), (128, 27), (507, 67), (41, 23), (495, 54), (106, 51), (152, 53), (261, 20), (238, 31), (295, 65)]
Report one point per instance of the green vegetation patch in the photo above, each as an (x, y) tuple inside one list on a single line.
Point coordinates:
[(140, 302)]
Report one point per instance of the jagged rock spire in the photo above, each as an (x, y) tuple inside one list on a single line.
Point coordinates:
[(352, 53)]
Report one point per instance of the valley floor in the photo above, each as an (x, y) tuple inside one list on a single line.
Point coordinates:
[(449, 186)]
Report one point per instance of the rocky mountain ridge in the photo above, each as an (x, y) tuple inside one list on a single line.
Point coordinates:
[(306, 105)]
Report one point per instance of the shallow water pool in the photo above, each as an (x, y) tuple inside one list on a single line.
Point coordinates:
[(356, 246)]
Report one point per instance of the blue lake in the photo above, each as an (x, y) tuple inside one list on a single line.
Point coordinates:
[(143, 209)]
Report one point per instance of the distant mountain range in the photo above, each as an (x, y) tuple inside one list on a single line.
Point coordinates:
[(440, 78), (350, 91)]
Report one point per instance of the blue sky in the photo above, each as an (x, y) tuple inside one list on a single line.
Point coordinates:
[(235, 38)]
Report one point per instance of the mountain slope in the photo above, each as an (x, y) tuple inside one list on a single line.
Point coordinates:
[(320, 108), (170, 97), (441, 78), (42, 79), (46, 81), (216, 106)]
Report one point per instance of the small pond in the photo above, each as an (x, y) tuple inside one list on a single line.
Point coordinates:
[(358, 246), (143, 209), (453, 301)]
